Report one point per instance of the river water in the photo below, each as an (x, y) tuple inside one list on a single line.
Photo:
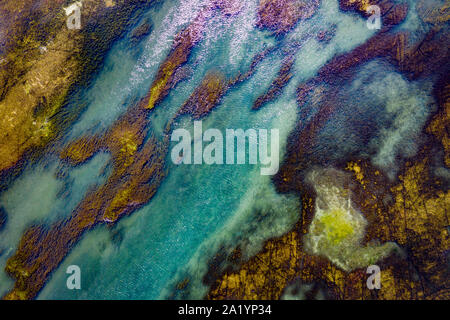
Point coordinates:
[(197, 209)]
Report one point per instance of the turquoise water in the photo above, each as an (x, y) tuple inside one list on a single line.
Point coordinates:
[(198, 209)]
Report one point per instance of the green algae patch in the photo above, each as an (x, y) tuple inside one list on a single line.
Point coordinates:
[(335, 226), (337, 229)]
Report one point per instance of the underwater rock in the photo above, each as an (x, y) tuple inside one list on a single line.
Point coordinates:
[(3, 218), (305, 291), (30, 74), (142, 31), (282, 15), (425, 238), (325, 36), (276, 87)]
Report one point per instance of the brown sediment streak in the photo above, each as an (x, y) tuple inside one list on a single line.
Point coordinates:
[(214, 85), (299, 153), (203, 100), (281, 16), (276, 87), (424, 57), (168, 76)]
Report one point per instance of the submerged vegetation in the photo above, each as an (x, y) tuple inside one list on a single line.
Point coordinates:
[(353, 212)]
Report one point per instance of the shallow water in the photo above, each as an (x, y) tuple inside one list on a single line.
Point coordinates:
[(197, 209)]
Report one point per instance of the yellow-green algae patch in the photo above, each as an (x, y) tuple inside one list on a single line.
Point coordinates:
[(335, 226), (337, 229)]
